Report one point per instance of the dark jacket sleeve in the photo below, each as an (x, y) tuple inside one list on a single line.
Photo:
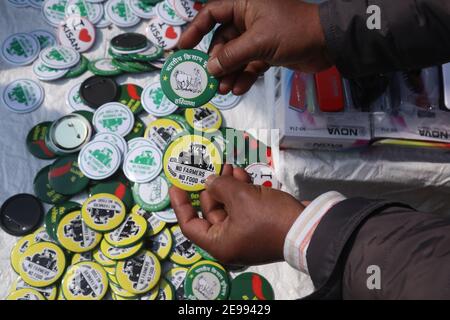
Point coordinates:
[(410, 249), (414, 34)]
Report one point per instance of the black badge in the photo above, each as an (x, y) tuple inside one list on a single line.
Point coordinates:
[(96, 91), (21, 214)]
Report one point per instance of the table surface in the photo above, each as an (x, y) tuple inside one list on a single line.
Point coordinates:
[(417, 177)]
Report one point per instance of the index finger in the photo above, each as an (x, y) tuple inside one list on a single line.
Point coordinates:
[(212, 13)]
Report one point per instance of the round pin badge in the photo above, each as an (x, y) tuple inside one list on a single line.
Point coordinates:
[(42, 264), (20, 49), (130, 232), (142, 164), (25, 294), (162, 34), (45, 38), (115, 139), (186, 81), (129, 42), (226, 102), (167, 14), (49, 293), (81, 257), (206, 118), (139, 274), (137, 131), (187, 9), (36, 141), (97, 91), (114, 117), (73, 99), (103, 260), (68, 134), (77, 33), (119, 291), (154, 195), (55, 214), (85, 281), (152, 53), (23, 96), (87, 10), (207, 280), (183, 251), (142, 8), (167, 215), (45, 73), (44, 191), (54, 11), (262, 175), (119, 13), (79, 69), (154, 225), (115, 253), (130, 96), (103, 212), (104, 67), (162, 132), (251, 286), (74, 235), (190, 160), (155, 102), (165, 291), (60, 57), (176, 278), (161, 244), (18, 250), (65, 176)]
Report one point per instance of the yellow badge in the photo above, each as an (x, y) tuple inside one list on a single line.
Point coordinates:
[(85, 281), (103, 212), (129, 232), (206, 118)]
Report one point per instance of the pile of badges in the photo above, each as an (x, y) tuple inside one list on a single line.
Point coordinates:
[(123, 241)]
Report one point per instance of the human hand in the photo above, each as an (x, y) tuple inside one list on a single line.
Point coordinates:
[(257, 34), (243, 224)]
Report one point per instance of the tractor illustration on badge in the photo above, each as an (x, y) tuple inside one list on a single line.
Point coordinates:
[(113, 124), (130, 229), (196, 156), (79, 286), (133, 269), (18, 94), (104, 156), (102, 216), (54, 54), (16, 48), (186, 249), (145, 158), (157, 96), (166, 133), (74, 230), (46, 259), (120, 9)]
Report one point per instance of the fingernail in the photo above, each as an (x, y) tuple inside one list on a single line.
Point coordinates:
[(214, 66), (210, 180)]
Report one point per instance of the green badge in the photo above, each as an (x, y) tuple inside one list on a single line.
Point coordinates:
[(130, 95), (153, 195), (186, 81), (65, 176), (79, 69), (44, 191), (207, 280), (251, 286), (36, 141)]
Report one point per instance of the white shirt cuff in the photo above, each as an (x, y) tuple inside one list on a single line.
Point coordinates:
[(299, 236)]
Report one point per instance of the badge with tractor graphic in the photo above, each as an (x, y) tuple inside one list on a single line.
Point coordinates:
[(60, 57), (155, 102), (20, 49), (23, 96), (99, 159), (129, 232), (85, 281), (176, 278), (114, 117), (186, 81), (183, 251), (119, 12), (139, 274), (206, 118), (190, 160), (85, 9), (143, 164), (74, 235), (103, 212), (142, 8), (167, 14), (162, 131), (54, 11), (42, 264)]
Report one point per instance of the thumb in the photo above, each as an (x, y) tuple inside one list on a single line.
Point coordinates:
[(223, 188), (235, 55)]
